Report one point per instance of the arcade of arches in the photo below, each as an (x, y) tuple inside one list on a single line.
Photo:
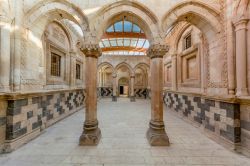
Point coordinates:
[(187, 58)]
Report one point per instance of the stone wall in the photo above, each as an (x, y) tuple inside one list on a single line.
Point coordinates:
[(141, 93), (219, 118), (105, 91), (3, 107), (245, 124), (28, 114)]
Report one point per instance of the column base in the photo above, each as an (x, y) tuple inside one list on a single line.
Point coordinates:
[(132, 98), (157, 135), (114, 98), (242, 92), (91, 135)]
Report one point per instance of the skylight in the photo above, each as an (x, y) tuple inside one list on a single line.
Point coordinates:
[(124, 38)]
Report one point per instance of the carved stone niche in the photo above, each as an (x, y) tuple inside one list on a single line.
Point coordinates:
[(189, 62), (168, 74)]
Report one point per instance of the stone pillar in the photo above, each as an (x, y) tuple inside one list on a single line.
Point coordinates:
[(18, 45), (174, 72), (91, 133), (132, 90), (72, 69), (230, 59), (4, 54), (114, 95), (156, 133), (241, 57)]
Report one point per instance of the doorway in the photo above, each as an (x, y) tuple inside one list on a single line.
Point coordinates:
[(123, 87)]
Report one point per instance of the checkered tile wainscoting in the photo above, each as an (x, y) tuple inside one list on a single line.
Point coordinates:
[(105, 91), (32, 113), (141, 93), (221, 118)]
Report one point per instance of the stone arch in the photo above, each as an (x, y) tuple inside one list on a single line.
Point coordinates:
[(106, 64), (178, 37), (145, 18), (209, 21), (141, 64), (66, 31), (126, 65), (48, 10), (199, 11)]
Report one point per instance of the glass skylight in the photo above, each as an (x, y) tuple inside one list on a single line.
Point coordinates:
[(124, 38)]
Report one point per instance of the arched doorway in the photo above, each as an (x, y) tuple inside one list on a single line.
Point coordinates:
[(123, 85)]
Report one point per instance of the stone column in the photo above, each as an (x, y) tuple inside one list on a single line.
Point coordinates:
[(132, 88), (231, 59), (4, 54), (72, 69), (156, 133), (241, 57), (18, 45), (174, 72), (114, 95), (91, 133)]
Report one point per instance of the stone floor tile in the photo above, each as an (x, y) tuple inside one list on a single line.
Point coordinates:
[(123, 125)]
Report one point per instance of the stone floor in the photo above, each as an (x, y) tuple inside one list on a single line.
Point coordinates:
[(123, 142)]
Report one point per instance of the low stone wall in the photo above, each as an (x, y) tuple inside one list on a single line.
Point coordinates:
[(245, 124), (28, 114), (141, 93), (105, 91), (220, 119), (3, 108)]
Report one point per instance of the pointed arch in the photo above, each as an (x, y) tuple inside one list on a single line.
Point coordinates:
[(126, 65), (203, 13), (105, 64), (55, 9), (145, 18), (209, 21), (141, 64)]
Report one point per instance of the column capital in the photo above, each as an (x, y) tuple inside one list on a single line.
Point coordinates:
[(157, 51), (240, 24), (91, 50), (114, 75), (174, 56)]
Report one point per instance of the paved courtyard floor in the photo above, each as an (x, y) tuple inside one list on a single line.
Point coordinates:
[(123, 125)]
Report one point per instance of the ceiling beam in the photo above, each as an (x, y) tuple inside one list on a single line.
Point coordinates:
[(128, 48), (108, 35)]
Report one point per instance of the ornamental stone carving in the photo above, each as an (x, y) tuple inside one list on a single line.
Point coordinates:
[(157, 51), (91, 50)]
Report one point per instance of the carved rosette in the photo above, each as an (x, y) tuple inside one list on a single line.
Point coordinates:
[(91, 50), (157, 51)]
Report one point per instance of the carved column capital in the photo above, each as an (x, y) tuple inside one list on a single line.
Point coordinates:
[(173, 56), (157, 51), (114, 75), (132, 76), (240, 24), (91, 50)]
